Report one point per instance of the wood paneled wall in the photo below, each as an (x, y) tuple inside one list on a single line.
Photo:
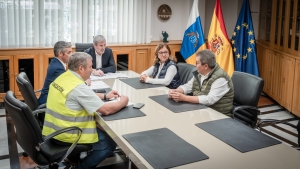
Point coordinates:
[(140, 58)]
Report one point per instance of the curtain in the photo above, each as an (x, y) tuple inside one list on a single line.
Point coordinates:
[(41, 23)]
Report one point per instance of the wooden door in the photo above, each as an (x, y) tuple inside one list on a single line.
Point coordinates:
[(7, 78), (29, 65), (267, 71), (46, 61), (275, 78), (141, 60), (287, 81), (296, 90)]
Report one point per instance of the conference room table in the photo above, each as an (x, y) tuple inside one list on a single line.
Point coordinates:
[(221, 155)]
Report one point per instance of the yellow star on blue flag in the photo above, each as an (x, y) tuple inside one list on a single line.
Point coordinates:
[(244, 42)]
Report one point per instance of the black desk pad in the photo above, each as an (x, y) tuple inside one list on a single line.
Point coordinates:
[(176, 107), (137, 84), (125, 113), (107, 89), (237, 135), (162, 148)]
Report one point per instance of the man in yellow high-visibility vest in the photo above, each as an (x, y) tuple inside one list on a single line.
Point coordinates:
[(72, 103)]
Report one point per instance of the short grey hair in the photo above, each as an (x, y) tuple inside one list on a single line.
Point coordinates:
[(207, 57), (98, 38), (77, 59), (61, 46)]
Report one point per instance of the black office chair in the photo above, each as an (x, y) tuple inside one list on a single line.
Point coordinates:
[(41, 149), (29, 96), (247, 90), (185, 71), (80, 47)]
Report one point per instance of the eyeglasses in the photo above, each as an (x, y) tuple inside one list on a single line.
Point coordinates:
[(161, 53)]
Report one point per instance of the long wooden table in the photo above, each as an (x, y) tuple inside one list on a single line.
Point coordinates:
[(221, 155)]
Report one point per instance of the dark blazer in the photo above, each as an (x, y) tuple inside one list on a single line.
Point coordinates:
[(108, 62), (55, 69)]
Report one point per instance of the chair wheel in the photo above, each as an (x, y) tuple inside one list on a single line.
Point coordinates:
[(25, 154), (53, 166)]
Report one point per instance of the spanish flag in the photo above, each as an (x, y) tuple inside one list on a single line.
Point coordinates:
[(193, 39), (218, 41)]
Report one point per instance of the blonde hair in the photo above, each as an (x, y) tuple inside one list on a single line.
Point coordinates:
[(159, 47)]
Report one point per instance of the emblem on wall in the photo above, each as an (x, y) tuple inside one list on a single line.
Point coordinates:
[(164, 12)]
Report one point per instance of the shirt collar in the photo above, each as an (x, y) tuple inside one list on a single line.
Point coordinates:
[(76, 74), (205, 76), (62, 63)]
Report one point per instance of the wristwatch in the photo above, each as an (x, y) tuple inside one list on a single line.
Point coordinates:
[(97, 68)]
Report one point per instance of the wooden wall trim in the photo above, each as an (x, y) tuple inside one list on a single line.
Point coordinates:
[(296, 56), (140, 58)]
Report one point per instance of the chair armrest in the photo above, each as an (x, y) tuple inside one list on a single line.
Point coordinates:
[(37, 111), (46, 138), (50, 136), (274, 121), (36, 91), (42, 106), (243, 107)]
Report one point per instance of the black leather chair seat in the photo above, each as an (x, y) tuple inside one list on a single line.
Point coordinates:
[(41, 149)]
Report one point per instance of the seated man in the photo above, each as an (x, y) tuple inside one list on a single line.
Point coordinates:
[(210, 85), (72, 103), (57, 66), (103, 59)]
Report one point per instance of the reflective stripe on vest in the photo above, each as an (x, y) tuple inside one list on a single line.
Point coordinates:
[(58, 116)]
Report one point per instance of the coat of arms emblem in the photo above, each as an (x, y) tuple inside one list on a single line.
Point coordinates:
[(193, 37), (216, 44)]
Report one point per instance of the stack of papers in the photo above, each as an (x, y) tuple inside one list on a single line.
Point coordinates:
[(98, 85), (109, 76), (116, 100)]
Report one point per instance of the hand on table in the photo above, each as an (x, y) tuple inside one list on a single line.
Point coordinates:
[(98, 73)]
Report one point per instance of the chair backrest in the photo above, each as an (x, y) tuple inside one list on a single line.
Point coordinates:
[(27, 91), (80, 47), (247, 88), (28, 131), (185, 71)]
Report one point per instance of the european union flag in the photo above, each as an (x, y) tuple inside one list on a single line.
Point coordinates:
[(243, 42)]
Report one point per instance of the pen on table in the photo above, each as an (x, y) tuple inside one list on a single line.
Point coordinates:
[(113, 98)]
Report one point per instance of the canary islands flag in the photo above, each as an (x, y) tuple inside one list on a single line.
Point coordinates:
[(193, 39), (243, 42), (218, 41)]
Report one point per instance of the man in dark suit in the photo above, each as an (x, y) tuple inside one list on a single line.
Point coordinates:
[(57, 66), (103, 60)]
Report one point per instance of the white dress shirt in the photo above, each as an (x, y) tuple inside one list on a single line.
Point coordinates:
[(218, 89), (171, 72), (98, 60)]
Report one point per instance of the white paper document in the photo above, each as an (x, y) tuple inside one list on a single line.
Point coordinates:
[(117, 75), (108, 76), (116, 100), (98, 85)]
